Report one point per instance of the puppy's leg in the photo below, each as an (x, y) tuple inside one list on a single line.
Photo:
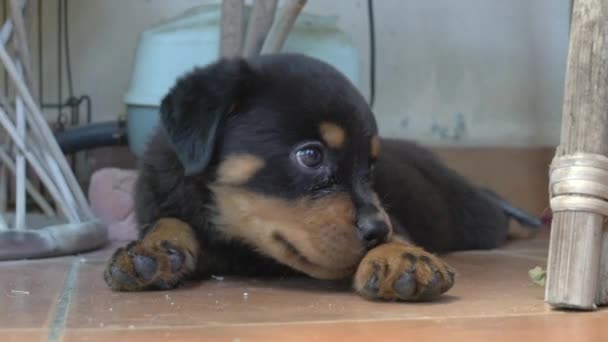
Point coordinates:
[(167, 254), (398, 271)]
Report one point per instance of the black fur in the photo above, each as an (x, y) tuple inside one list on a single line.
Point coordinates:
[(265, 107)]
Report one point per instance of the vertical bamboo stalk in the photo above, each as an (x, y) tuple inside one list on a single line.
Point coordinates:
[(576, 236), (281, 27), (602, 292), (260, 22), (231, 28)]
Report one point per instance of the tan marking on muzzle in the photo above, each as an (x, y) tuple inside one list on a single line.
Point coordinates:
[(238, 169), (315, 236)]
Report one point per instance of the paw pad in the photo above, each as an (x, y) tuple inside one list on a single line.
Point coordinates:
[(396, 271), (140, 267)]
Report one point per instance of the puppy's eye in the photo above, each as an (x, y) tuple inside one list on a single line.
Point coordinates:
[(310, 156)]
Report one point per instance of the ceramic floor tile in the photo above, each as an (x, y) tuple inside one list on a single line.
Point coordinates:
[(487, 285), (30, 291), (554, 328), (539, 243), (537, 248), (23, 335), (104, 253)]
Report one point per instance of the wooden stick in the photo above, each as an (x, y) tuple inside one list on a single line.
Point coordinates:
[(42, 203), (575, 244), (260, 21), (231, 28), (282, 26), (602, 292), (36, 120)]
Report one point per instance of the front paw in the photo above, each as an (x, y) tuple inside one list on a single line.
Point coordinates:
[(395, 271), (160, 261)]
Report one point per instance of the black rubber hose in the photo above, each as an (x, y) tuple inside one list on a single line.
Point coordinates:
[(91, 136)]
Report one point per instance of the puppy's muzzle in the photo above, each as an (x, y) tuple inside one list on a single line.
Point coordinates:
[(371, 229)]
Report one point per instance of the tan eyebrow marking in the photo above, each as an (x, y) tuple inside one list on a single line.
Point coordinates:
[(374, 147), (333, 135)]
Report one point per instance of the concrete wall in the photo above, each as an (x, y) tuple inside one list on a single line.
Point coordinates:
[(469, 72)]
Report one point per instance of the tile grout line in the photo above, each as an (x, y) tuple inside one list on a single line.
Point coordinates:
[(61, 311)]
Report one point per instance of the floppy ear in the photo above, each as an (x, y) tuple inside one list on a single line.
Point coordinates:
[(195, 107)]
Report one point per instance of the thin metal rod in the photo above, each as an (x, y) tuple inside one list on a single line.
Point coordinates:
[(20, 169), (39, 124), (16, 7), (38, 198), (40, 171)]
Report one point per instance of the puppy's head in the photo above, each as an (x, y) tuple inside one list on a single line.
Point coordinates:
[(287, 146)]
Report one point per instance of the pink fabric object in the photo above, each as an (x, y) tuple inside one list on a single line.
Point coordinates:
[(111, 198), (125, 230)]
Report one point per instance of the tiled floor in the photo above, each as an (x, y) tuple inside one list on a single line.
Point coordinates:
[(493, 300)]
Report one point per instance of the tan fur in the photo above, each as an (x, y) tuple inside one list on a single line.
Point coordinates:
[(175, 231), (374, 147), (390, 261), (238, 169), (517, 232), (321, 232), (179, 234), (333, 135)]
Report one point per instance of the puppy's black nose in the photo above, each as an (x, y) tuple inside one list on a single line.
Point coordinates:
[(372, 231)]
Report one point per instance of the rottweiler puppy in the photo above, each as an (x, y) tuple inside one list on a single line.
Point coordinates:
[(274, 166)]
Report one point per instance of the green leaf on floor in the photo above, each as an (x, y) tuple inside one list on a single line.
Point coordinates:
[(538, 275)]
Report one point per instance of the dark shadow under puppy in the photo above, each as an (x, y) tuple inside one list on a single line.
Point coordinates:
[(273, 166)]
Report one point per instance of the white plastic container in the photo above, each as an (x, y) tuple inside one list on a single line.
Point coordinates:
[(192, 39)]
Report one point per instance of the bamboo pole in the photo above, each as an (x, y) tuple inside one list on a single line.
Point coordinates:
[(579, 198), (231, 28), (260, 21), (282, 26)]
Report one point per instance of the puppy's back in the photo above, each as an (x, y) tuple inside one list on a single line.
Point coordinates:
[(436, 207)]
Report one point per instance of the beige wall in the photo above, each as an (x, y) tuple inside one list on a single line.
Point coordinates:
[(498, 63)]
